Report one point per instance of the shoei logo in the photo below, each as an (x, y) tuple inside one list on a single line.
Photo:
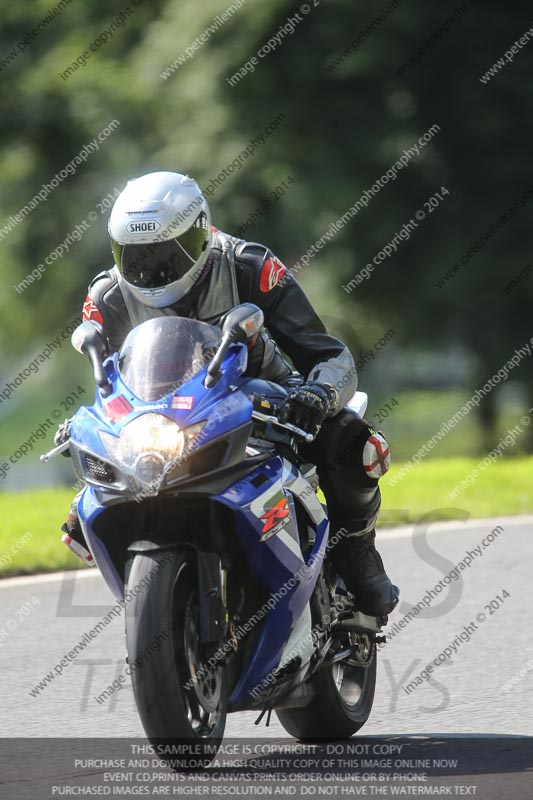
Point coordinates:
[(147, 226)]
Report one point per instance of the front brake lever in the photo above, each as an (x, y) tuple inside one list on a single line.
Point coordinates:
[(308, 437)]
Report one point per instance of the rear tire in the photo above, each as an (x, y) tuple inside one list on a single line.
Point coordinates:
[(341, 704), (177, 704)]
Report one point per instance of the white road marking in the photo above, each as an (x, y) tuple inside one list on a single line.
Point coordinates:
[(455, 525), (49, 577)]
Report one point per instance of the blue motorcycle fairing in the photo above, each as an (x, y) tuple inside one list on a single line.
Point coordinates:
[(89, 509), (122, 406), (275, 559), (265, 521), (223, 412), (221, 417)]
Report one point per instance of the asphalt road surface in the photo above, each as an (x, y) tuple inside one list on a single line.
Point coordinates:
[(474, 630)]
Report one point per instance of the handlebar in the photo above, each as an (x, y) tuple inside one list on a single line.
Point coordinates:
[(308, 437)]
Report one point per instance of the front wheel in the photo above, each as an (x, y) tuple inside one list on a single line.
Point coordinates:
[(342, 701), (179, 700)]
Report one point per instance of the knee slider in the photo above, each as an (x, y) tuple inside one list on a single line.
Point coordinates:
[(376, 455), (350, 450)]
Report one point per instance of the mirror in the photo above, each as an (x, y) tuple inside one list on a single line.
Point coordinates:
[(86, 334), (243, 322), (240, 324), (88, 340)]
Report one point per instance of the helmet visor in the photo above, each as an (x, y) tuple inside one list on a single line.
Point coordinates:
[(157, 264)]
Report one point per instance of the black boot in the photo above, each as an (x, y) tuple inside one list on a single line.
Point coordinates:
[(360, 566)]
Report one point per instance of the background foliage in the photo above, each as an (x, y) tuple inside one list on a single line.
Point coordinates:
[(344, 128)]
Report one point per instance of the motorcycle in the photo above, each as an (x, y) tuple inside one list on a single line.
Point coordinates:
[(200, 514)]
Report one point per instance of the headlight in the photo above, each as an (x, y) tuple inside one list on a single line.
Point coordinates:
[(149, 433), (151, 444)]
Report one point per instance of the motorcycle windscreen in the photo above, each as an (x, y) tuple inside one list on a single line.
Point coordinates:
[(162, 354)]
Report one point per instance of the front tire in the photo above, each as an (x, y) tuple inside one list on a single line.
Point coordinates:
[(177, 703)]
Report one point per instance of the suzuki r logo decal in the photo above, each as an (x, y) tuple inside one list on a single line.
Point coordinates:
[(274, 515)]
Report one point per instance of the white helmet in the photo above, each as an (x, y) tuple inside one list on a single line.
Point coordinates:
[(160, 229)]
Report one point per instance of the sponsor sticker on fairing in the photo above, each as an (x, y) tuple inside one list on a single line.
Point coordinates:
[(118, 408), (182, 403)]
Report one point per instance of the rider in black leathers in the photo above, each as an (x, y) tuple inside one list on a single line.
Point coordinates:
[(349, 454)]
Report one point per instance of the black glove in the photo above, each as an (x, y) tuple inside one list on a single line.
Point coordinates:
[(308, 406), (63, 435)]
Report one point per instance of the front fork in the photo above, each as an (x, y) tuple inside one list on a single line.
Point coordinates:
[(212, 597)]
